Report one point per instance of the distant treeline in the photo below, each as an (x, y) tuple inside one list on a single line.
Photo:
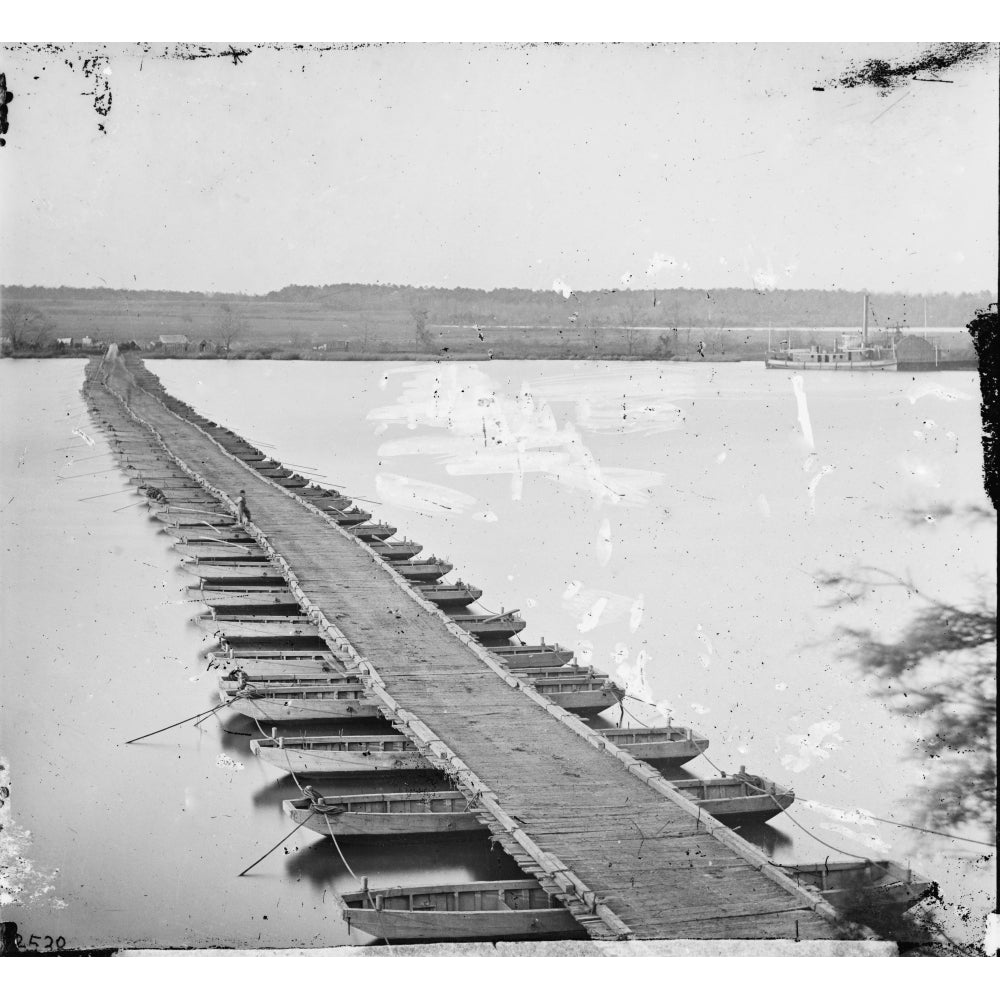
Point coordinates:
[(518, 307)]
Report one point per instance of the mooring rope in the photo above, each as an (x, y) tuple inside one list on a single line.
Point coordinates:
[(362, 882), (273, 849), (287, 758), (878, 819)]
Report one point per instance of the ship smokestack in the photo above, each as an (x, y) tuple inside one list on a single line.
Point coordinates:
[(864, 322)]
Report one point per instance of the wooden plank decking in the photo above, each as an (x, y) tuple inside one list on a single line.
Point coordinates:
[(631, 856)]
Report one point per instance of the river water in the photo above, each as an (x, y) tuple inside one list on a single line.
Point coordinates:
[(667, 521)]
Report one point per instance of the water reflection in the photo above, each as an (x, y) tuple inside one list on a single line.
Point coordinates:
[(391, 861), (764, 837)]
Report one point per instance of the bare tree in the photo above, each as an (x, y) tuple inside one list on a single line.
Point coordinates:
[(24, 325), (425, 339), (628, 316), (667, 344), (366, 332), (589, 320), (230, 325)]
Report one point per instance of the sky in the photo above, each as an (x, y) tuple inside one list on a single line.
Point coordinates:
[(566, 167)]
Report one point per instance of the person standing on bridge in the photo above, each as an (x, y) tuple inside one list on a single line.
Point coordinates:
[(242, 510)]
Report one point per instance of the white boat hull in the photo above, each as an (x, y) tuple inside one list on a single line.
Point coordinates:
[(479, 910), (238, 571), (340, 761), (251, 630), (580, 701), (386, 823), (667, 751), (281, 709), (881, 364), (755, 808), (492, 925)]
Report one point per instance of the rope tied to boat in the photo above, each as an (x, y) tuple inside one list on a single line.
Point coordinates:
[(288, 760), (362, 882), (174, 725), (320, 806)]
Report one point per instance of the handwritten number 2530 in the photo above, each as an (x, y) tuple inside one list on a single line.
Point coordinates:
[(53, 944)]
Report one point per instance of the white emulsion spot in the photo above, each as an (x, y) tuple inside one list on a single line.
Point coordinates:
[(804, 422), (636, 613), (603, 545), (813, 483), (227, 763), (592, 618), (817, 743), (938, 391)]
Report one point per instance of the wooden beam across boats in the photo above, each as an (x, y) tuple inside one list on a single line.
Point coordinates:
[(565, 670), (737, 798), (277, 650), (249, 607), (148, 462), (458, 912), (487, 627), (317, 699), (270, 626), (315, 492), (270, 668), (294, 481), (308, 674), (514, 656), (214, 534), (423, 569), (221, 554), (379, 531), (263, 646), (186, 500), (860, 887), (233, 571), (340, 754), (447, 595), (332, 505), (579, 695), (179, 491), (176, 517), (174, 481), (232, 602), (663, 744), (395, 550), (283, 671), (236, 588), (349, 518), (383, 814)]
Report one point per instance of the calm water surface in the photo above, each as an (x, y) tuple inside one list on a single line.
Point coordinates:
[(666, 521)]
